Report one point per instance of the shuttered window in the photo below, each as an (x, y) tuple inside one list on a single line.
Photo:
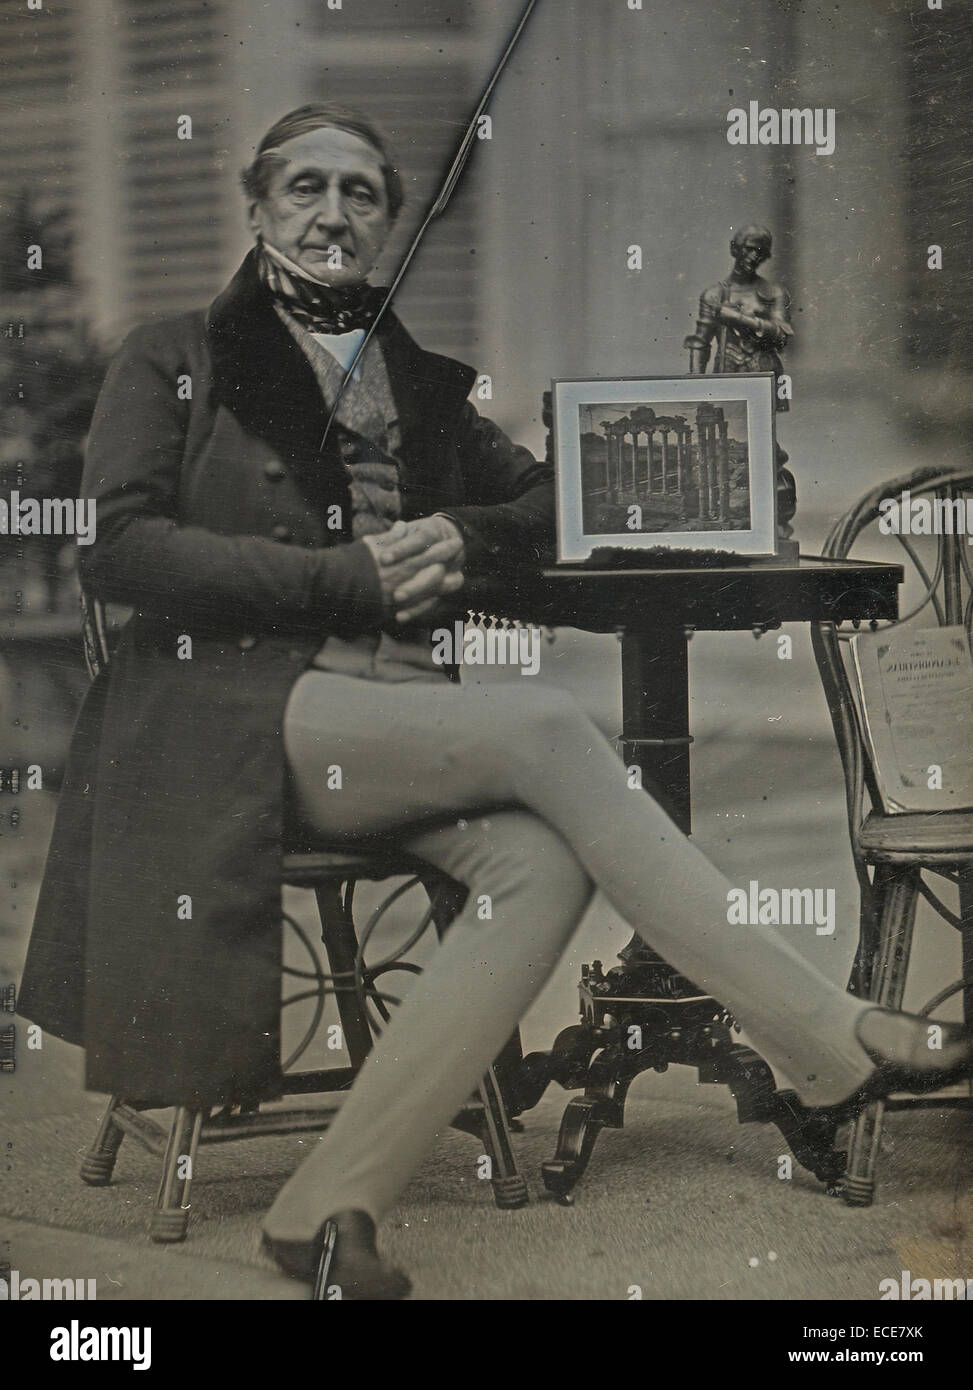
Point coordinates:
[(177, 195), (38, 107), (392, 16), (160, 217), (940, 188)]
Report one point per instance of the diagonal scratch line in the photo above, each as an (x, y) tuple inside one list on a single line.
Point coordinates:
[(438, 207)]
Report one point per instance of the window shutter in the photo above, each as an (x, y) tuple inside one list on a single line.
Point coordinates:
[(178, 196), (416, 17), (39, 57)]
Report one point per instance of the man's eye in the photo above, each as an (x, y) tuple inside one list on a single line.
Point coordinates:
[(304, 189), (362, 195)]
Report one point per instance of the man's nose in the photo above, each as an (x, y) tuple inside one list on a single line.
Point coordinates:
[(330, 213)]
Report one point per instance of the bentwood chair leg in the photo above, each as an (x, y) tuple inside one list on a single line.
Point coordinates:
[(966, 931), (170, 1220), (896, 911), (509, 1187), (341, 944), (866, 954), (98, 1163)]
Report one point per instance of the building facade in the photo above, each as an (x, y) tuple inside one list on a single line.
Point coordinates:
[(590, 220)]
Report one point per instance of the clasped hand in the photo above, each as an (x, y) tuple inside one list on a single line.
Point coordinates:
[(419, 563)]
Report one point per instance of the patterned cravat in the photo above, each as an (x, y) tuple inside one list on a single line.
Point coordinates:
[(367, 408), (318, 307)]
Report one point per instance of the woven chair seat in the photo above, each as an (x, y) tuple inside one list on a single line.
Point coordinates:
[(312, 864), (919, 837)]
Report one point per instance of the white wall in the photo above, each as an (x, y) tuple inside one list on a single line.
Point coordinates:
[(611, 130)]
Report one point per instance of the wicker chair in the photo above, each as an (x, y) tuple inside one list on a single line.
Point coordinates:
[(332, 875), (893, 852)]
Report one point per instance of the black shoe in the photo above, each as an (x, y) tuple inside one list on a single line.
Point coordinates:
[(907, 1063), (342, 1257)]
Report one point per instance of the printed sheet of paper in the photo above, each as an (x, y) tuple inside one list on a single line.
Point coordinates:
[(917, 696)]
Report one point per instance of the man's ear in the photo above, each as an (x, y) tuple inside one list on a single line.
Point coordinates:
[(252, 221)]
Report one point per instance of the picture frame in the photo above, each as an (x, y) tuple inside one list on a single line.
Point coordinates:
[(666, 463)]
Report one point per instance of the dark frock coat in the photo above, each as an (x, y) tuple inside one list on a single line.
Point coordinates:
[(212, 524)]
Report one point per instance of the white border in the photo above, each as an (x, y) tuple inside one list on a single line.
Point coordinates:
[(756, 388)]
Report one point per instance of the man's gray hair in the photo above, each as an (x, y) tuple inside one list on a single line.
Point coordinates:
[(319, 116)]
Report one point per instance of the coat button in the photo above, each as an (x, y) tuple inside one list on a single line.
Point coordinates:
[(247, 642), (282, 533), (274, 470)]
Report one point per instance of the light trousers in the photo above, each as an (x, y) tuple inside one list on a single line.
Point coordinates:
[(538, 811)]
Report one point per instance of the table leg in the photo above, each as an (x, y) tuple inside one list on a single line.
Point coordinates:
[(644, 999), (655, 714), (655, 729)]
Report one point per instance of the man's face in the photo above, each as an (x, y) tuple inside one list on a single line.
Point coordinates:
[(329, 193), (750, 255)]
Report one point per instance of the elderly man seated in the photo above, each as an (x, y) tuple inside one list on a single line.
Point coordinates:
[(284, 595)]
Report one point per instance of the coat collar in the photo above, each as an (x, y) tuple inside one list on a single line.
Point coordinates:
[(429, 389), (264, 378), (260, 373)]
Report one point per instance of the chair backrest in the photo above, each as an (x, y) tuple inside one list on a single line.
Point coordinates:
[(938, 591), (95, 634)]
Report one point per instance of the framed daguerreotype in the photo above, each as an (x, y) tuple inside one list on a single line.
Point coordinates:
[(485, 613), (682, 464)]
